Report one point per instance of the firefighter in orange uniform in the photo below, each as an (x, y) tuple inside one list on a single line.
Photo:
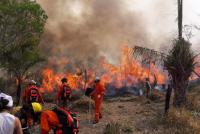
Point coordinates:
[(32, 94), (64, 92), (97, 94), (59, 120)]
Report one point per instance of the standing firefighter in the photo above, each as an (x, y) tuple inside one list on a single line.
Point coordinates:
[(97, 94), (168, 96), (64, 93), (32, 94), (148, 87)]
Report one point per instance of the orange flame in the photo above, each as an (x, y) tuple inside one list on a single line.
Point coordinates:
[(128, 73)]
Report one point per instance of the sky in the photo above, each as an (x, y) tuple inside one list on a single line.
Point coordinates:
[(160, 13), (157, 14)]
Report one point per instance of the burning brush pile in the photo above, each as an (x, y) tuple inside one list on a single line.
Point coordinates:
[(129, 74)]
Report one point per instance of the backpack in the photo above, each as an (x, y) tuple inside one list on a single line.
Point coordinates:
[(69, 126), (89, 91), (34, 94), (66, 91)]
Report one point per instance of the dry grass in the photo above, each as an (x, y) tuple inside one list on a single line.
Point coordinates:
[(193, 102), (82, 105), (120, 127), (182, 121), (76, 95), (127, 127), (113, 128)]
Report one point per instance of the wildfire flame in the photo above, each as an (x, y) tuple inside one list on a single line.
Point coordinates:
[(127, 73)]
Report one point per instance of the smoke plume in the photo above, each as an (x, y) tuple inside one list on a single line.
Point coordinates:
[(81, 31)]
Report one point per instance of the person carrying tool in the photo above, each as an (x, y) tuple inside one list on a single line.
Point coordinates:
[(9, 124), (64, 93), (97, 94), (32, 94)]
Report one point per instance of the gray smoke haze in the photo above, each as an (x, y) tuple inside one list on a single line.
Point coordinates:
[(99, 30), (84, 30)]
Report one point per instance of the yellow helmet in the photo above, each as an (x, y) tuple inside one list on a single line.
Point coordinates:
[(37, 107)]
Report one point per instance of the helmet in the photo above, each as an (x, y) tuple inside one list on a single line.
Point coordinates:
[(37, 107), (32, 82), (8, 98), (64, 80), (97, 79)]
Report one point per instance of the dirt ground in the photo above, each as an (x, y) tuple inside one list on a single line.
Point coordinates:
[(133, 113), (137, 115)]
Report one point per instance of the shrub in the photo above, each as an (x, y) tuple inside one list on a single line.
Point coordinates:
[(113, 128), (181, 121)]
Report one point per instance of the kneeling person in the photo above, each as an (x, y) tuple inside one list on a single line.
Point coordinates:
[(60, 120)]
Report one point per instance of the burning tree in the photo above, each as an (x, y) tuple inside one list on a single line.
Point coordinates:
[(22, 25)]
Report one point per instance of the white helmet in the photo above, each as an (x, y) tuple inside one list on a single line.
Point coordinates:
[(33, 82), (7, 97), (97, 79)]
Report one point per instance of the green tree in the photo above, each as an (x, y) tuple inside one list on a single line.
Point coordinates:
[(180, 62), (21, 27)]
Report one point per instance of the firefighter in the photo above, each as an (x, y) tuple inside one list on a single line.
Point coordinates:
[(9, 124), (148, 87), (29, 115), (98, 94), (60, 120), (64, 93), (32, 93)]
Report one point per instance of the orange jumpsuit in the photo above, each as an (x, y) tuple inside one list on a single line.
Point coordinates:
[(63, 101), (49, 120), (60, 90), (27, 93), (97, 95)]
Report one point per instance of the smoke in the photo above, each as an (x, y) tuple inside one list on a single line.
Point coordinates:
[(81, 31), (84, 30)]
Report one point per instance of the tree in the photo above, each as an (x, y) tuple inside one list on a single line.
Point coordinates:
[(22, 24), (180, 18), (180, 62)]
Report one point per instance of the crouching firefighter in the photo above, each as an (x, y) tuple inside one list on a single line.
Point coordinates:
[(64, 93), (29, 115), (97, 94), (60, 120), (32, 94)]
